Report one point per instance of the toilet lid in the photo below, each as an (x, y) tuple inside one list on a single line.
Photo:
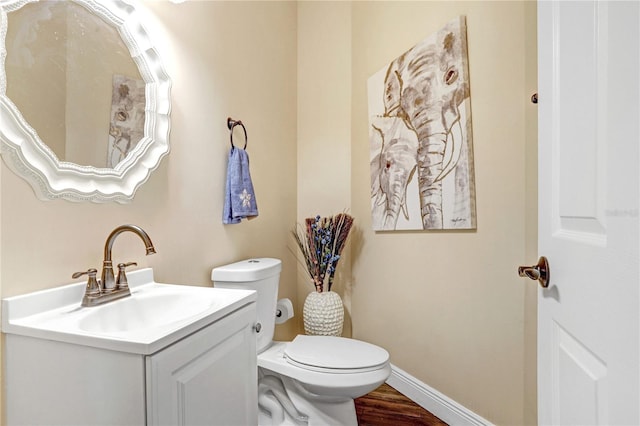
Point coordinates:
[(340, 354)]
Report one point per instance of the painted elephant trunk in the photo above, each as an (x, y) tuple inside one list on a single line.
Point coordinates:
[(430, 164), (392, 210)]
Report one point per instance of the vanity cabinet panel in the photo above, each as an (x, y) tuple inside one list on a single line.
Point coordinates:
[(209, 378), (55, 383)]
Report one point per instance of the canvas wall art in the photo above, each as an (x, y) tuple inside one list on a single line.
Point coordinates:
[(127, 117), (421, 150)]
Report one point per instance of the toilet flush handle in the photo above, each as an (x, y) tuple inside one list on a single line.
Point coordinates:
[(257, 327)]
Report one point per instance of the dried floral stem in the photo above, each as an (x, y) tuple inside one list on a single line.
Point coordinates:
[(321, 241)]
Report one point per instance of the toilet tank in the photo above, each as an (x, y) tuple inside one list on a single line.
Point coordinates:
[(261, 275)]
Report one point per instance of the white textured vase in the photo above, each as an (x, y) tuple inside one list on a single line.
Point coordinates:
[(323, 314)]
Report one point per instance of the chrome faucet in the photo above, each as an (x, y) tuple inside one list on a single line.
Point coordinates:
[(107, 288)]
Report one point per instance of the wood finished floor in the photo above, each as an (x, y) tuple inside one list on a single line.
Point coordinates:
[(386, 406)]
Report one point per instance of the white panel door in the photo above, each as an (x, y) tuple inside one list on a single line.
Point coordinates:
[(588, 318)]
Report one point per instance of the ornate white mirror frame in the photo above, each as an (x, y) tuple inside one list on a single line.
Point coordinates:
[(29, 157)]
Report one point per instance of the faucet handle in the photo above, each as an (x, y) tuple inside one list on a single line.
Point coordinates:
[(93, 286), (121, 281)]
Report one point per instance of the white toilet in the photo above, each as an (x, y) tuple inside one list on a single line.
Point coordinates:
[(313, 379)]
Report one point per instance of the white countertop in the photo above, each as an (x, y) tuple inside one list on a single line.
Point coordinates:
[(153, 317)]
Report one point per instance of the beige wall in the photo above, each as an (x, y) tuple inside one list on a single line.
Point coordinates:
[(447, 305), (324, 127)]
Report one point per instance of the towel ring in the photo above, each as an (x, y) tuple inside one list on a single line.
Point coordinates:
[(231, 123)]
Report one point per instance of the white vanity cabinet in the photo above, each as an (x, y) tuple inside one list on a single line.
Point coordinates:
[(205, 376), (207, 379)]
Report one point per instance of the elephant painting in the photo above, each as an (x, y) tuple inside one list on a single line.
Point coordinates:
[(420, 123)]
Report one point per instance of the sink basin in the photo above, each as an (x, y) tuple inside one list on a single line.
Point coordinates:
[(146, 310), (153, 317)]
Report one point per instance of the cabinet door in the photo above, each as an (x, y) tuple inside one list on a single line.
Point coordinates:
[(208, 378)]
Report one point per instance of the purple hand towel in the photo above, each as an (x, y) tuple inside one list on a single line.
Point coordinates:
[(240, 198)]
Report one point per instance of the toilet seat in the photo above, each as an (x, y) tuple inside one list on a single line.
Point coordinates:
[(330, 354), (334, 383)]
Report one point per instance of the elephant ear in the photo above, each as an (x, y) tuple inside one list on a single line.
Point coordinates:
[(377, 194)]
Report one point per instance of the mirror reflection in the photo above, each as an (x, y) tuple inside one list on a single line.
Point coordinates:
[(73, 79)]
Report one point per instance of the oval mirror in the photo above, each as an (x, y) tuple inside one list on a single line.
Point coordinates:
[(84, 98)]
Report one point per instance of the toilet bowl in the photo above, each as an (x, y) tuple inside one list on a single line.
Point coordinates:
[(313, 379)]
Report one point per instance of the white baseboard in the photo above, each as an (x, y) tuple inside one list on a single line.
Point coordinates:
[(433, 401)]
